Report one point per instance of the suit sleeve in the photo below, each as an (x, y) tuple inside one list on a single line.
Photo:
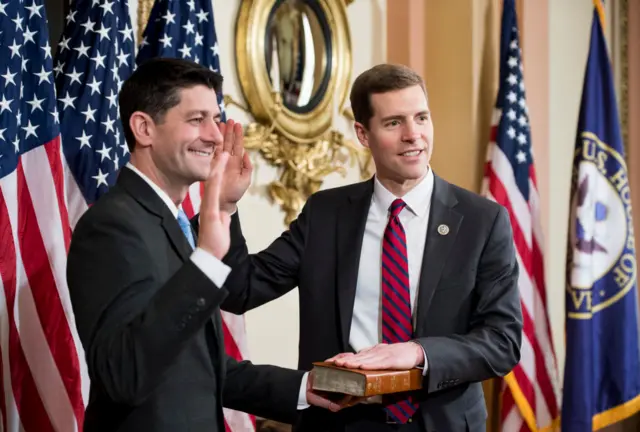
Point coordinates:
[(131, 328), (267, 391), (492, 347), (256, 279)]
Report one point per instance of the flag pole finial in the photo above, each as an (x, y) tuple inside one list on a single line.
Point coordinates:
[(599, 5)]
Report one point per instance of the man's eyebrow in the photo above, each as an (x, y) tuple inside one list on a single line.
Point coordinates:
[(195, 112), (400, 116), (204, 113), (392, 117)]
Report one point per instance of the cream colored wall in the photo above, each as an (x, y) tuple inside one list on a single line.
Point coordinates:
[(272, 330)]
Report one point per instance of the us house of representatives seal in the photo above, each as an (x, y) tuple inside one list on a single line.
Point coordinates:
[(601, 266)]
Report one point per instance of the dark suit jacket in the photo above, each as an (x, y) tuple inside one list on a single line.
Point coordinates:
[(150, 325), (469, 319)]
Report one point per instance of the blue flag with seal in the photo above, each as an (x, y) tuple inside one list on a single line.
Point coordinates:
[(602, 369)]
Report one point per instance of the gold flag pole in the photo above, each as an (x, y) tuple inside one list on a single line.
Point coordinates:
[(144, 9)]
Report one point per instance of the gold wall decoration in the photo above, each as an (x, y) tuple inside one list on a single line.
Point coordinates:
[(293, 61), (303, 166)]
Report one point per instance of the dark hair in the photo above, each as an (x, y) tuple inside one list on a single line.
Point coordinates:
[(154, 88), (380, 79)]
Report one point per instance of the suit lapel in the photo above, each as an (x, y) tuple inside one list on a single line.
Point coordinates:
[(176, 236), (438, 246), (352, 218), (149, 199)]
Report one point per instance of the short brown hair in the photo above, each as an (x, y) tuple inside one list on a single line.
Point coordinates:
[(380, 79)]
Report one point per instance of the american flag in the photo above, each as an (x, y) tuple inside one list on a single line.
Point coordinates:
[(95, 55), (186, 29), (529, 400), (42, 371)]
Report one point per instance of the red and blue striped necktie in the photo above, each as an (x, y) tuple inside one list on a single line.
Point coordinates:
[(396, 300)]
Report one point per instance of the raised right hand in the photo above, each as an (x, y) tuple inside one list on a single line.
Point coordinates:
[(214, 235), (237, 176)]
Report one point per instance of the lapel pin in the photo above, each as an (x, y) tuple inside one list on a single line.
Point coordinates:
[(443, 229)]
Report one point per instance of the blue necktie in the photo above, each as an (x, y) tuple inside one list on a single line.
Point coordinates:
[(185, 225)]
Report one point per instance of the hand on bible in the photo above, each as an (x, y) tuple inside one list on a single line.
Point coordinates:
[(400, 356), (332, 402)]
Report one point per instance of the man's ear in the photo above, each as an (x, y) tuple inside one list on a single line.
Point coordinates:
[(361, 132), (143, 128)]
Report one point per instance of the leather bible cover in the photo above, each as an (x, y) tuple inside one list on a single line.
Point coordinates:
[(357, 382)]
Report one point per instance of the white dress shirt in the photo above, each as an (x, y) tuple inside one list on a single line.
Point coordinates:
[(211, 266), (366, 324)]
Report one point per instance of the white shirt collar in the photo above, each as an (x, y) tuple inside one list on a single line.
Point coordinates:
[(162, 194), (418, 199)]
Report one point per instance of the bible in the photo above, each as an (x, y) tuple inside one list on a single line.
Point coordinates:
[(358, 382)]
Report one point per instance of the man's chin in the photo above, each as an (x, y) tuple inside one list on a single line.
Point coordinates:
[(198, 177), (201, 174), (415, 174)]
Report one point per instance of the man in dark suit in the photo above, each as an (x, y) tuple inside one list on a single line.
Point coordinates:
[(146, 292), (404, 270)]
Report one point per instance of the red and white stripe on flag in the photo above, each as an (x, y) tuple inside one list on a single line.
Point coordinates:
[(530, 396), (530, 393), (44, 379)]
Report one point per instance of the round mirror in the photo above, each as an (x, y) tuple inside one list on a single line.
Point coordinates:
[(298, 53), (294, 63)]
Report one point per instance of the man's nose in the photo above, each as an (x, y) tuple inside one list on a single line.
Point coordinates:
[(410, 132), (210, 132)]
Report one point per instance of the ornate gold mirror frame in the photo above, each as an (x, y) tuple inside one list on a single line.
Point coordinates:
[(299, 140)]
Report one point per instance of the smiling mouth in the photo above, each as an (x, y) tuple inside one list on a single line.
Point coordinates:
[(411, 153), (201, 152)]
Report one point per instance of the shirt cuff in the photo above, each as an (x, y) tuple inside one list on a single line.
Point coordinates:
[(425, 366), (211, 266), (302, 396)]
